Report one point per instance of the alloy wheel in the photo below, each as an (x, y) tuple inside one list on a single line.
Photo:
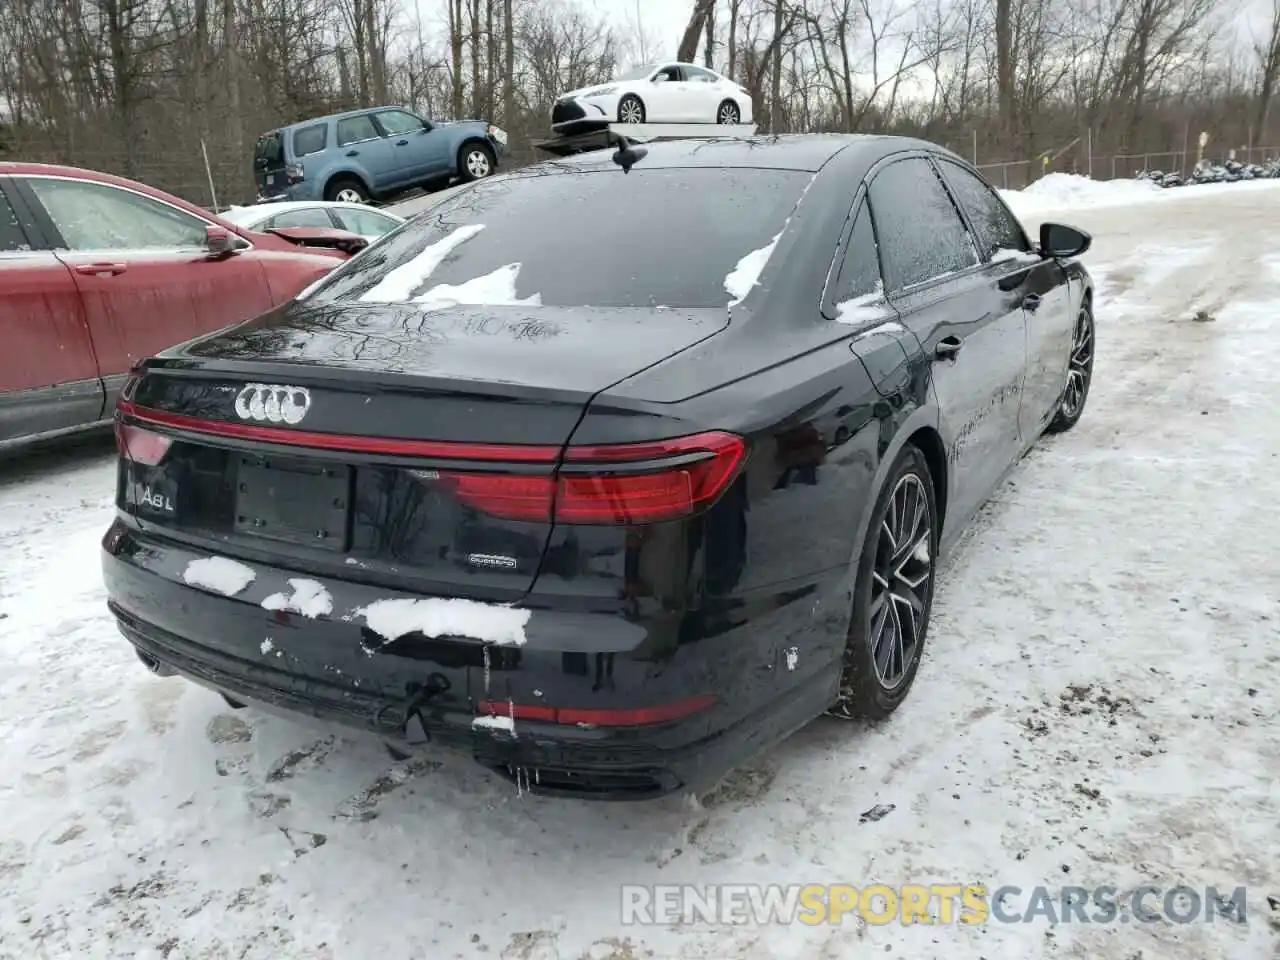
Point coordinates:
[(348, 195), (1080, 366), (478, 164), (900, 581), (631, 112), (728, 113)]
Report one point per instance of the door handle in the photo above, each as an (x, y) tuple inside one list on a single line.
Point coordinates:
[(101, 269), (353, 153), (947, 348), (1031, 302), (402, 143)]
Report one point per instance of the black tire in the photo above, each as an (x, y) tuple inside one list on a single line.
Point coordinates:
[(867, 691), (337, 187), (728, 113), (475, 162), (631, 109), (1079, 373)]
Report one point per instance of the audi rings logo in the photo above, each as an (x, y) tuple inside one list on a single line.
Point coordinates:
[(272, 402)]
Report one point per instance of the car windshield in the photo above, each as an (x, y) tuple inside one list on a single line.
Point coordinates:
[(656, 238), (637, 73)]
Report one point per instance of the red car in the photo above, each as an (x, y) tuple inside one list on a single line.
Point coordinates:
[(98, 272)]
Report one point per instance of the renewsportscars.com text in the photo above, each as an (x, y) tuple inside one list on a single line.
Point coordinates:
[(943, 904)]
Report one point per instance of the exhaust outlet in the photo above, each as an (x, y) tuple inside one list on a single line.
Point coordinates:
[(154, 665)]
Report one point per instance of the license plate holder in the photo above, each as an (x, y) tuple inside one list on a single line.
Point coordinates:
[(293, 501)]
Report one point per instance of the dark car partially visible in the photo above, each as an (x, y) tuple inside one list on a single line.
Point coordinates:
[(603, 505)]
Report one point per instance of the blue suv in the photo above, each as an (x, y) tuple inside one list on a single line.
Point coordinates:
[(369, 154)]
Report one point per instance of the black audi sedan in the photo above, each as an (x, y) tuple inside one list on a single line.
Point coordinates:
[(611, 471)]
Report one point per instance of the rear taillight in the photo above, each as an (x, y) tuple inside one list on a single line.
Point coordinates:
[(622, 484), (628, 483), (295, 172), (140, 445)]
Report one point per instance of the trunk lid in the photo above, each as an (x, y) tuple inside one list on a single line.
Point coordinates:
[(358, 440)]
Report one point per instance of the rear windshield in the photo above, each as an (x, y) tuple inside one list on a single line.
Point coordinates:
[(579, 238), (269, 150)]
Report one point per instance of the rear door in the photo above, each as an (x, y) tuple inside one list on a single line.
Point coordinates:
[(362, 144), (972, 330), (1039, 285), (702, 94), (145, 276), (420, 152), (48, 374)]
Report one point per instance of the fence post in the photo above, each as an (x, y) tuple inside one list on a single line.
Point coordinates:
[(1113, 166), (1088, 147), (1004, 172), (975, 146)]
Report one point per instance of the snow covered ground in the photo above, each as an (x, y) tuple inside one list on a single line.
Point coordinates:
[(1098, 706)]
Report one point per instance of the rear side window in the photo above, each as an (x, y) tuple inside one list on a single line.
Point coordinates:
[(310, 139), (356, 128), (11, 235), (920, 231), (580, 238), (397, 123), (860, 270), (313, 217), (995, 226), (269, 150), (365, 222)]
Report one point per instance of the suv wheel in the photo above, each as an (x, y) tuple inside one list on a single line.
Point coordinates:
[(475, 162), (346, 190)]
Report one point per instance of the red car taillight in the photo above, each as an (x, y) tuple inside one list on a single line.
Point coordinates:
[(141, 445), (629, 483)]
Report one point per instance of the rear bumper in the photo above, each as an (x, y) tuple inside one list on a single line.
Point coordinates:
[(426, 696)]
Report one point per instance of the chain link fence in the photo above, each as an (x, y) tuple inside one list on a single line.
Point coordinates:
[(1017, 174)]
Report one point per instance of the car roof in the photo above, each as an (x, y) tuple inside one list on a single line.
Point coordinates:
[(806, 152), (312, 121), (284, 206)]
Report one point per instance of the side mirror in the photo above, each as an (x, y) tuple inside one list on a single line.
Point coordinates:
[(661, 78), (218, 241), (1059, 240)]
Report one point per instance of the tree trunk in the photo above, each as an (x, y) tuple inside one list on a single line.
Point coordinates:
[(732, 70), (509, 64), (709, 49), (688, 48), (775, 93), (455, 52), (490, 62), (1005, 104)]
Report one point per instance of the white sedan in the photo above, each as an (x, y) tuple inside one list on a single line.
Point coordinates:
[(669, 92), (368, 222)]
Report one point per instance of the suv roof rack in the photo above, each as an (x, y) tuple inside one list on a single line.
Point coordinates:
[(607, 136)]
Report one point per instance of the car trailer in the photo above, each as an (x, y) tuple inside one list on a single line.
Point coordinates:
[(609, 135)]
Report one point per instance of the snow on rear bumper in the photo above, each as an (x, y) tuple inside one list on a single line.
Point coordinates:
[(431, 691)]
